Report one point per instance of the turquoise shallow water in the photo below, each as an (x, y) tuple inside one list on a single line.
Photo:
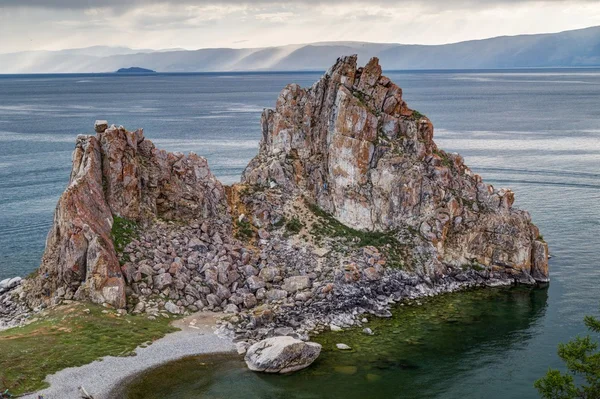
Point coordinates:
[(536, 131), (422, 352)]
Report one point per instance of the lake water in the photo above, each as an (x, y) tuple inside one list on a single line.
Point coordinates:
[(536, 131)]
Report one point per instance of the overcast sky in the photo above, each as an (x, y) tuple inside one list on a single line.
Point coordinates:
[(192, 24)]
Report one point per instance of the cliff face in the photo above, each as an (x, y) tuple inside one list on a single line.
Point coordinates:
[(352, 146), (117, 173)]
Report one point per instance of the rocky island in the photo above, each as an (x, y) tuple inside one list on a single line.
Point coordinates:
[(135, 70), (348, 207)]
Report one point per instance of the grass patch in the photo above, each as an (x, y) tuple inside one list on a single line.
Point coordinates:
[(123, 231), (67, 336), (360, 96), (386, 242), (541, 238), (446, 161), (294, 225), (244, 230), (363, 99), (280, 223), (416, 115), (474, 266)]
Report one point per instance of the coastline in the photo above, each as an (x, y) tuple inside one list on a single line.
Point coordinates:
[(102, 377), (201, 334)]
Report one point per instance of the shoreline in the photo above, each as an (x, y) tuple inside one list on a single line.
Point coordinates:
[(103, 377), (201, 334)]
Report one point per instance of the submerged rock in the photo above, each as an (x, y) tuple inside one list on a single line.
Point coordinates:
[(281, 355)]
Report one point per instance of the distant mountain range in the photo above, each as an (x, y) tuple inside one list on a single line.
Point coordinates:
[(575, 48)]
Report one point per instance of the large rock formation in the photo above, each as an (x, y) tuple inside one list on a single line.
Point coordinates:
[(117, 173), (349, 206), (352, 146)]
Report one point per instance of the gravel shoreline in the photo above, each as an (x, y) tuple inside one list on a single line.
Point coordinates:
[(102, 377)]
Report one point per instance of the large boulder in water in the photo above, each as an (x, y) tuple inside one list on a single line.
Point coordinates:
[(281, 355)]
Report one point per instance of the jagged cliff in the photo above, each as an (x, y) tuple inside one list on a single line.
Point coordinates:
[(348, 207), (351, 144), (118, 173)]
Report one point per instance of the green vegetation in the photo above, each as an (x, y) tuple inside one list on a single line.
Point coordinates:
[(363, 99), (582, 359), (294, 225), (416, 115), (446, 161), (280, 223), (70, 336), (360, 96), (123, 231), (541, 238), (244, 230), (329, 226), (473, 265)]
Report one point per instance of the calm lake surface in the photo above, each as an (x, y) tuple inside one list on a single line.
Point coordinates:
[(535, 131)]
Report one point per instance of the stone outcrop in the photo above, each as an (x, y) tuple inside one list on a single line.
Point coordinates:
[(281, 355), (354, 148), (13, 311), (117, 173), (348, 207)]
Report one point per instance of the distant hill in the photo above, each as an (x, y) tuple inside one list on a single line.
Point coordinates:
[(135, 70), (575, 48)]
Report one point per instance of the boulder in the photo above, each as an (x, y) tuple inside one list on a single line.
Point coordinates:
[(371, 274), (172, 308), (100, 126), (255, 283), (296, 283), (281, 355), (276, 295), (9, 283), (162, 281)]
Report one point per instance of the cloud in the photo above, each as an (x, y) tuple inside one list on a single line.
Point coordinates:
[(192, 24), (127, 4), (274, 16)]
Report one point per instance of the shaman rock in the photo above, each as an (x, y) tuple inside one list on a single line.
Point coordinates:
[(353, 147)]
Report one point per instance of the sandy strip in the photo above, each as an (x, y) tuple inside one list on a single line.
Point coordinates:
[(99, 378)]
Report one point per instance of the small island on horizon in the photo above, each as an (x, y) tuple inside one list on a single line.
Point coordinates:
[(135, 70)]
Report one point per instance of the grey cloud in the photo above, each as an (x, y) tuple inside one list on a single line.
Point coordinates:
[(84, 4)]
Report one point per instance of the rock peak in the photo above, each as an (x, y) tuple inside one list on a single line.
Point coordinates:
[(347, 153), (118, 173), (351, 144)]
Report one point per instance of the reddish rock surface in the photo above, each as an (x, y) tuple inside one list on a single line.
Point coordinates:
[(120, 173), (351, 144)]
